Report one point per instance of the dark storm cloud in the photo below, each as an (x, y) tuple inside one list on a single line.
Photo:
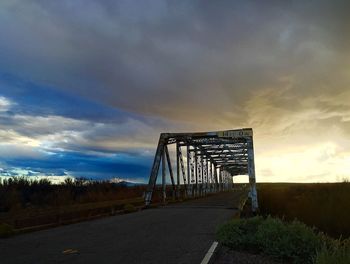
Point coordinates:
[(171, 58)]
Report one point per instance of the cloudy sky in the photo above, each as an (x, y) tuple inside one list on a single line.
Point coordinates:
[(86, 86)]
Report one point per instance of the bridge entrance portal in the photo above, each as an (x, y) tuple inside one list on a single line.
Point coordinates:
[(206, 162)]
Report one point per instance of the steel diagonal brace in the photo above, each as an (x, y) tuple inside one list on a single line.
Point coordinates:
[(170, 169), (155, 168)]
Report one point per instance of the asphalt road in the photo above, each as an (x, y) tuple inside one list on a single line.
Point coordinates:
[(180, 233)]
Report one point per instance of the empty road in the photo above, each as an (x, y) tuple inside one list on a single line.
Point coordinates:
[(179, 233)]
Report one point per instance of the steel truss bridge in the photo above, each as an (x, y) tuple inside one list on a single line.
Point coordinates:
[(206, 162)]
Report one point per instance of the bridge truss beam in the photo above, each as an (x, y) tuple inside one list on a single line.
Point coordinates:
[(212, 160)]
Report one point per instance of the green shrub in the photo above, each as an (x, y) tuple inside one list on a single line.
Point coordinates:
[(240, 234), (292, 242), (6, 230)]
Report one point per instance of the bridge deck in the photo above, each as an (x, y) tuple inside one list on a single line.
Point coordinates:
[(180, 233)]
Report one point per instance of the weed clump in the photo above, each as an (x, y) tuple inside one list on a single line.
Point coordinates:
[(291, 242), (240, 234), (338, 253)]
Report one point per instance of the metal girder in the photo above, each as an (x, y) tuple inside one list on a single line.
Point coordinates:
[(218, 153), (230, 151), (212, 142)]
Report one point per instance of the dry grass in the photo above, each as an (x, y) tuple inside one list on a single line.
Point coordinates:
[(323, 205), (20, 193), (26, 203)]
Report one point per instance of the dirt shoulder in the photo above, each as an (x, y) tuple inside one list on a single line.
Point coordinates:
[(225, 255)]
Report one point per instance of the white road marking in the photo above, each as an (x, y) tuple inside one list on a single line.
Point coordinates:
[(210, 253)]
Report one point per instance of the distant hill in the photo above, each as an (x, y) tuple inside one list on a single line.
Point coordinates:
[(123, 182)]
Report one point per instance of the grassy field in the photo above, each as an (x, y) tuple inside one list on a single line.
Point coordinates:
[(323, 205)]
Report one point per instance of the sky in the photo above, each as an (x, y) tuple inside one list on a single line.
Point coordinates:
[(87, 86)]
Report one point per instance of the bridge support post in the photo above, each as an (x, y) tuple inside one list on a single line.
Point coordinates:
[(211, 178), (178, 171), (207, 182), (220, 180), (163, 177), (202, 177), (196, 171), (188, 170), (185, 182), (215, 180), (216, 186), (251, 173)]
